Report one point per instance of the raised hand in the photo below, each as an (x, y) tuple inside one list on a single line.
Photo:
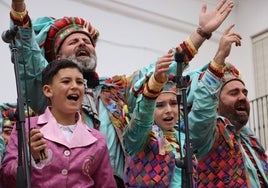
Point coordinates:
[(210, 21), (225, 44), (162, 66)]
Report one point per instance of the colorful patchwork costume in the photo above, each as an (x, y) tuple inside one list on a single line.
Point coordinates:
[(107, 102), (224, 158), (153, 151)]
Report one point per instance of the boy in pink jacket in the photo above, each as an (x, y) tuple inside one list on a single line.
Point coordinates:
[(65, 152)]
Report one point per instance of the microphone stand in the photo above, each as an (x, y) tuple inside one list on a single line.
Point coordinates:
[(181, 85), (23, 173)]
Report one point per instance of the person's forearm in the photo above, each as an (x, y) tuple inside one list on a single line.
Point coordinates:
[(197, 39), (219, 58), (18, 5), (19, 14)]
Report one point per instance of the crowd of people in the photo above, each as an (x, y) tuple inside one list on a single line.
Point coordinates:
[(128, 131)]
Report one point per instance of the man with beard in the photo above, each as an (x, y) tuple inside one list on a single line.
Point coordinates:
[(228, 153), (107, 104)]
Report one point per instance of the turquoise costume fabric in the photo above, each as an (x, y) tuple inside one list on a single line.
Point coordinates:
[(111, 108), (152, 157)]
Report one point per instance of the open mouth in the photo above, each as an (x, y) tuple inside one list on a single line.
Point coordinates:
[(168, 119), (73, 97), (82, 53), (241, 108)]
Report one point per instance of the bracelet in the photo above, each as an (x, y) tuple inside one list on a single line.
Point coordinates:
[(203, 34)]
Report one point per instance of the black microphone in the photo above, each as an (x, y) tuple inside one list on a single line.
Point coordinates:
[(9, 35), (179, 58)]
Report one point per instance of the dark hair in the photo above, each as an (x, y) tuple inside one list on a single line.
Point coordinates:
[(53, 68)]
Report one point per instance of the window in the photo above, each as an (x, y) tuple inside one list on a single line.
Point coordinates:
[(258, 120)]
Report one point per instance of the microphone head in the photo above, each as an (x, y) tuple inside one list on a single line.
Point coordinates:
[(9, 35), (5, 38), (179, 57)]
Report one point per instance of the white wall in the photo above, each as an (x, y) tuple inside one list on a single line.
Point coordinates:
[(251, 19), (128, 43)]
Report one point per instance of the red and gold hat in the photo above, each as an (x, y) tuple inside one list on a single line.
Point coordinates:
[(61, 29)]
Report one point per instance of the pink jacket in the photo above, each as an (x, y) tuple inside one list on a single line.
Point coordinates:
[(82, 162)]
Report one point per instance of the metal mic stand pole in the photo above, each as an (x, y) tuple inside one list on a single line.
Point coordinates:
[(181, 84), (23, 173)]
